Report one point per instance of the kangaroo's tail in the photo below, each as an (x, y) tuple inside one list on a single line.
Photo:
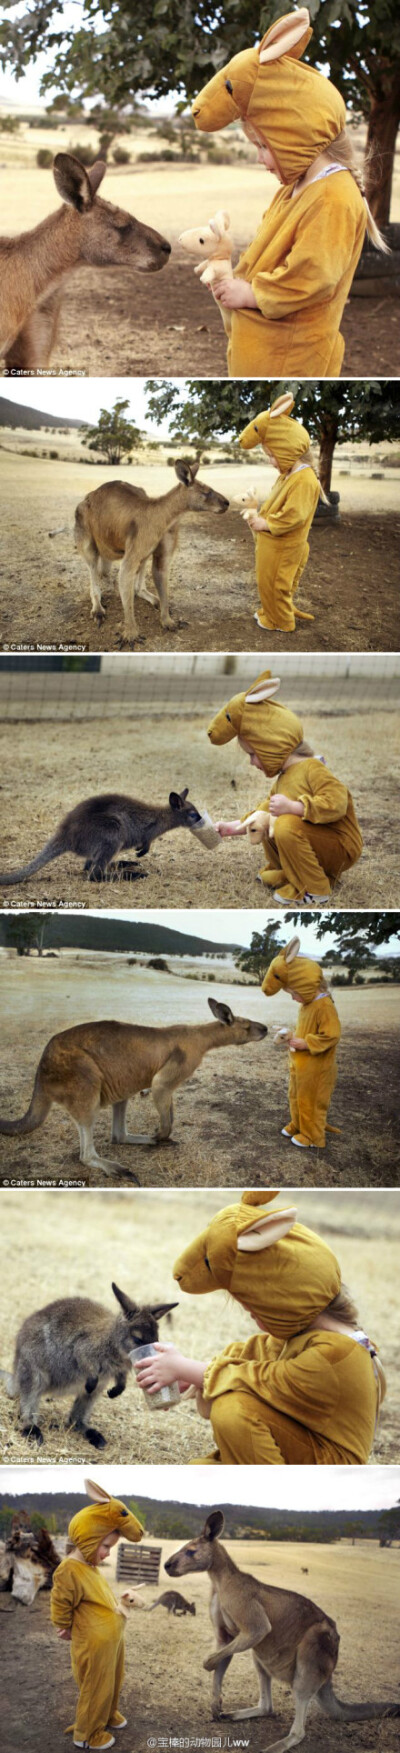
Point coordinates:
[(352, 1713), (333, 1128), (35, 1115), (301, 615), (53, 849)]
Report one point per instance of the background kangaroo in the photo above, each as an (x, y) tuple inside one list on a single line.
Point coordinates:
[(78, 1342), (99, 1065), (120, 522), (85, 229), (100, 827), (291, 1639), (174, 1603)]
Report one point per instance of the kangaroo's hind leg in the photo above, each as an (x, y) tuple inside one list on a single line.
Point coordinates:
[(315, 1663), (264, 1706), (31, 1383), (142, 589), (80, 1092), (162, 557)]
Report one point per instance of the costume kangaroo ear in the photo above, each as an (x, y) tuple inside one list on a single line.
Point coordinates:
[(96, 1492), (263, 690), (128, 1307), (221, 1011), (214, 1525), (283, 405), (292, 949), (72, 181), (265, 1231), (220, 222), (289, 36)]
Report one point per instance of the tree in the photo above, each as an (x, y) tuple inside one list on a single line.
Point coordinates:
[(372, 928), (167, 46), (264, 945), (113, 435), (389, 1525), (332, 410), (26, 931)]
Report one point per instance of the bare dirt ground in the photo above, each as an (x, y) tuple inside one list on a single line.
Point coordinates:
[(166, 1693), (72, 1244), (228, 1117), (166, 324), (351, 584), (48, 767)]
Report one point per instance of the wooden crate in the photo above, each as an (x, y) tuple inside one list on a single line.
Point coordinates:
[(138, 1564)]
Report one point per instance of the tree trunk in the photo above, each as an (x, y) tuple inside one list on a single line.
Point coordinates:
[(383, 123), (328, 437)]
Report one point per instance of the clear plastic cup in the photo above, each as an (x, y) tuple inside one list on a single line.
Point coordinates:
[(206, 833), (164, 1398)]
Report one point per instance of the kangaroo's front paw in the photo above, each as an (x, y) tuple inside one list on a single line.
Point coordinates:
[(212, 1661)]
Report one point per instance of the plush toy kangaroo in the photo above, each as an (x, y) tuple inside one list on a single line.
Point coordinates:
[(214, 244)]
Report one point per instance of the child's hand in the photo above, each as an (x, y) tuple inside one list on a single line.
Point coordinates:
[(254, 520), (64, 1635), (234, 294), (158, 1372), (279, 805), (227, 830), (297, 1044)]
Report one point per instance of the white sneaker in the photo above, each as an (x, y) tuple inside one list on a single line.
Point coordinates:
[(316, 900), (300, 1146), (285, 1133)]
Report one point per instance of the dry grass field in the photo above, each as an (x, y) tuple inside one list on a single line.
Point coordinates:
[(228, 1118), (166, 1693), (350, 586), (70, 1244), (49, 766), (167, 324)]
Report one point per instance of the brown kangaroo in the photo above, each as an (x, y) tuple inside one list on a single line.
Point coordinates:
[(119, 522), (291, 1639), (104, 1064), (100, 827), (173, 1602), (85, 229)]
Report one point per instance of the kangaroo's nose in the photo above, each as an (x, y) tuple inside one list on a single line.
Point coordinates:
[(166, 247)]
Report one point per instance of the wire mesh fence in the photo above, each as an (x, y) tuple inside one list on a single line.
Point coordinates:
[(138, 686)]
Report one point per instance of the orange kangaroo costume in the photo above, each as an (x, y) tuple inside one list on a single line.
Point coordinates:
[(303, 258), (313, 1074), (288, 1395), (282, 551), (82, 1601)]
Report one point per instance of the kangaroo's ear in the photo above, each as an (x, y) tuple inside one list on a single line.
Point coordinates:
[(163, 1309), (72, 181), (265, 1231), (96, 172), (177, 799), (184, 794), (128, 1307), (292, 949), (96, 1492), (184, 470), (214, 1525), (222, 1011)]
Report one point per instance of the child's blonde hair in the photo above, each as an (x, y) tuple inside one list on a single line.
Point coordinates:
[(343, 1308), (341, 151)]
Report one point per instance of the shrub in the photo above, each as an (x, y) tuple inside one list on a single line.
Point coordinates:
[(87, 154), (44, 158), (9, 124), (54, 455), (120, 155)]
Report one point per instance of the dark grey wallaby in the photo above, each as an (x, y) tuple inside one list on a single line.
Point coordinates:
[(76, 1342), (174, 1603), (100, 827)]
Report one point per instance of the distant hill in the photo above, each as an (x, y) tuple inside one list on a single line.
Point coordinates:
[(174, 1520), (15, 414), (86, 932)]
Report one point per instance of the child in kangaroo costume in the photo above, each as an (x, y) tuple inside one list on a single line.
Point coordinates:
[(283, 306), (281, 526), (307, 1387), (313, 1047), (87, 1614), (307, 824)]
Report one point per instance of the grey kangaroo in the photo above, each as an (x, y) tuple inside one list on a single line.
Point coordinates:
[(104, 1064), (174, 1603), (76, 1342), (291, 1639), (101, 827)]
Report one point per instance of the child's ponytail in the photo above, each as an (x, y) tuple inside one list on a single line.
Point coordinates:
[(341, 151)]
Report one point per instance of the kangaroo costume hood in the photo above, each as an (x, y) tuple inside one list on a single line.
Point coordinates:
[(105, 1516), (295, 973), (286, 439), (273, 1266), (296, 111), (272, 731)]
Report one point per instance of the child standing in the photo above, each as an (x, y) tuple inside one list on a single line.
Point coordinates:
[(312, 1048), (306, 1388), (282, 525), (86, 1614), (283, 305)]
